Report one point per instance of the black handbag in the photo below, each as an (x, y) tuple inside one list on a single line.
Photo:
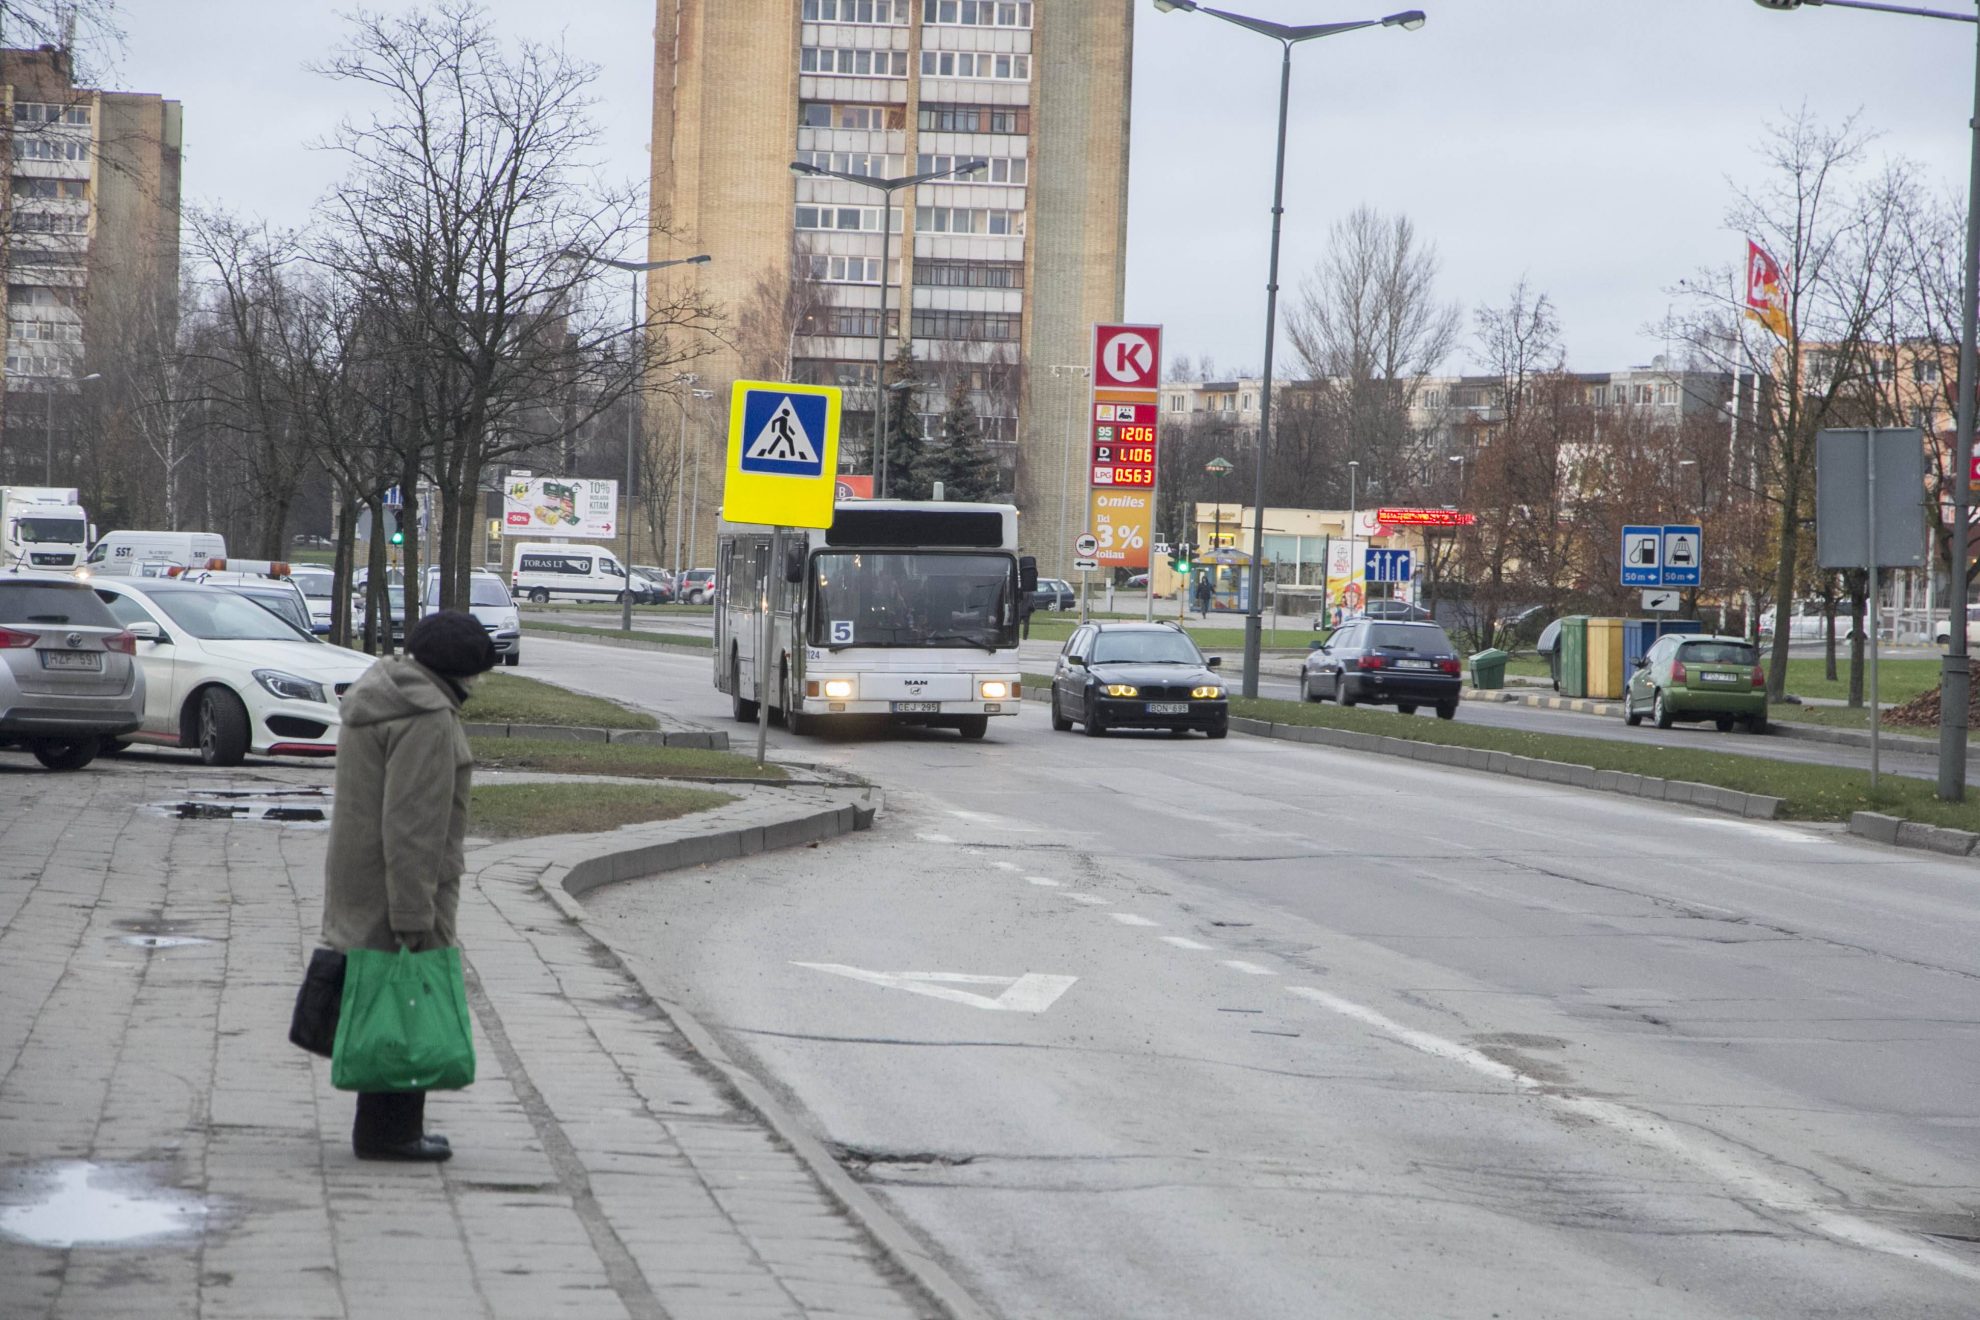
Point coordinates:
[(314, 1024)]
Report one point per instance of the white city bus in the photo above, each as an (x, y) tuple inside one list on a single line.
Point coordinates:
[(905, 610)]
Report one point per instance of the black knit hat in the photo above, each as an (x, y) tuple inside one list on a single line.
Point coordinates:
[(452, 645)]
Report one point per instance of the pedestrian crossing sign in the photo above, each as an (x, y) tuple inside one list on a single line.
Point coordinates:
[(783, 454)]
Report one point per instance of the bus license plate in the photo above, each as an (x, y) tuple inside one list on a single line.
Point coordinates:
[(917, 708), (1168, 708), (71, 660)]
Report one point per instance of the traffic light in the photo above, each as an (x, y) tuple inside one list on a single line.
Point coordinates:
[(1179, 560), (398, 536)]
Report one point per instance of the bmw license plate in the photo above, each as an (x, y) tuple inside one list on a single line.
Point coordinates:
[(71, 660), (917, 708), (1168, 708), (1721, 678)]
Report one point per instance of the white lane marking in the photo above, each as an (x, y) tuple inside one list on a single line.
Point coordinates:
[(1779, 833), (1033, 992), (1047, 881), (930, 837), (1181, 942), (1007, 866), (1744, 1180), (1129, 919), (976, 817), (1248, 968), (1092, 900)]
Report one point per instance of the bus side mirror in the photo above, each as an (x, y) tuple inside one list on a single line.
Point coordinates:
[(1027, 573), (794, 564)]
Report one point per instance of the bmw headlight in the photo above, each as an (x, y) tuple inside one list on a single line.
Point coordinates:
[(1123, 690), (1206, 693), (288, 686)]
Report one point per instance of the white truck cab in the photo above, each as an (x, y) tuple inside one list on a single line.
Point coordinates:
[(43, 527)]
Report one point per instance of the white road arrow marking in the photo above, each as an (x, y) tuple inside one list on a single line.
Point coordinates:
[(1034, 992)]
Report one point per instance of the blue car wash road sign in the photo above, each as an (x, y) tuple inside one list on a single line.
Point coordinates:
[(1684, 555), (783, 463), (1388, 565)]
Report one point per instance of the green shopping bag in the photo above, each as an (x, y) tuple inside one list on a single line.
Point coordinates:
[(404, 1023)]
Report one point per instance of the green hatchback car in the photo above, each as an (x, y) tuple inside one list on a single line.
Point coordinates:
[(1695, 677)]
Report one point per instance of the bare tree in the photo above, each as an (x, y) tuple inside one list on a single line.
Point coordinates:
[(1367, 327), (468, 195)]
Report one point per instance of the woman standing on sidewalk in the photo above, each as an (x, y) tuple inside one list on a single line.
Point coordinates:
[(393, 876)]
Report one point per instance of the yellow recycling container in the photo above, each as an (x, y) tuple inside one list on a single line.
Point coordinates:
[(1605, 659)]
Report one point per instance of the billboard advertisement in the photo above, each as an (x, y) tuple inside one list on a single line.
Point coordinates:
[(576, 507)]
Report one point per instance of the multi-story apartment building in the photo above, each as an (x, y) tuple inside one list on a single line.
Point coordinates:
[(89, 241), (1006, 271)]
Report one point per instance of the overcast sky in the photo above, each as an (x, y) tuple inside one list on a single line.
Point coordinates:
[(1585, 144)]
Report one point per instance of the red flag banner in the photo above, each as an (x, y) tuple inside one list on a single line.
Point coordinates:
[(1765, 302)]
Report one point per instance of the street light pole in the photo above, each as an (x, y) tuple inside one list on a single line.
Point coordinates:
[(637, 268), (1287, 35), (886, 188), (48, 424), (1955, 674)]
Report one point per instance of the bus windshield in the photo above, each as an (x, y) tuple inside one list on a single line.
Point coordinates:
[(890, 598)]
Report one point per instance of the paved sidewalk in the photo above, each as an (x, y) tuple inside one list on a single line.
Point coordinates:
[(602, 1168)]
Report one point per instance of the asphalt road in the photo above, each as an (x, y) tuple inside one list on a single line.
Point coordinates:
[(1139, 1026)]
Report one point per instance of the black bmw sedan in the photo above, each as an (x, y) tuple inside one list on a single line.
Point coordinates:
[(1137, 676)]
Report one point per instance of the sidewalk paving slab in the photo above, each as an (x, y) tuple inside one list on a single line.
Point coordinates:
[(603, 1168)]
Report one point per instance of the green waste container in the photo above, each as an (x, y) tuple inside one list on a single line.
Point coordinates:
[(1488, 668), (1571, 676)]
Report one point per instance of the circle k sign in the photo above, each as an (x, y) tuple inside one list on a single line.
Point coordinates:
[(1127, 357)]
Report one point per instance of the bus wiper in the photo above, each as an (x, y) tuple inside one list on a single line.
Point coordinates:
[(975, 638)]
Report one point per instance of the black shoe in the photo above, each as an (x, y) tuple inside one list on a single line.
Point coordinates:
[(420, 1150)]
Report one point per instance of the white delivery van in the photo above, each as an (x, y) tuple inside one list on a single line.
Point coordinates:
[(548, 571), (144, 554)]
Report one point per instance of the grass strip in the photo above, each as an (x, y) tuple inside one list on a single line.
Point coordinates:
[(513, 811), (699, 641), (628, 759), (1898, 680), (1807, 792), (500, 698)]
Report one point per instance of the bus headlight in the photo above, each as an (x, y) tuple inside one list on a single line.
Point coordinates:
[(1206, 692), (1123, 690), (994, 690), (839, 688)]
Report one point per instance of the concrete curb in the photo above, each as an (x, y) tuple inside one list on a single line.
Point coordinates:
[(1898, 833), (1753, 806), (706, 739), (564, 882), (1580, 705)]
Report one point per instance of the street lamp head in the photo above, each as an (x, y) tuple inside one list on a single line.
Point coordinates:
[(1784, 4), (1409, 20), (1171, 6), (804, 170), (973, 167), (701, 260), (94, 375)]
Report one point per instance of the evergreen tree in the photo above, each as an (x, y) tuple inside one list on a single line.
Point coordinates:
[(905, 442), (958, 457)]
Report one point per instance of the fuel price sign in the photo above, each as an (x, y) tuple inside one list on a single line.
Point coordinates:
[(1124, 445)]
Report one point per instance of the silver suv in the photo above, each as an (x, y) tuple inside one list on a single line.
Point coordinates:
[(69, 678)]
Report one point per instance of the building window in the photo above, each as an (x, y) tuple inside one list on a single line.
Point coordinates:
[(853, 62), (840, 114), (892, 12), (936, 117), (846, 270), (866, 164), (59, 189), (855, 219), (1003, 169), (974, 64), (969, 326), (46, 148), (1924, 372), (967, 220), (978, 13), (969, 274), (844, 322), (31, 112)]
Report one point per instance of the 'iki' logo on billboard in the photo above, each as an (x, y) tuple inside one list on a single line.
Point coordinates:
[(783, 441)]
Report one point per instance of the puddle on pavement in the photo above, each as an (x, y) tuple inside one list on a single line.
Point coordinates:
[(77, 1203), (300, 806)]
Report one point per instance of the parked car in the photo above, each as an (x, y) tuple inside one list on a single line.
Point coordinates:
[(1375, 609), (697, 586), (661, 578), (1696, 676), (547, 570), (1137, 676), (225, 676), (279, 595), (69, 675), (1809, 622), (1942, 630), (318, 586), (1384, 663), (490, 602), (396, 595), (1138, 579), (1054, 594), (647, 591)]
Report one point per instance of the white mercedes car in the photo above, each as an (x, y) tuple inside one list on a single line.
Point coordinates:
[(228, 677)]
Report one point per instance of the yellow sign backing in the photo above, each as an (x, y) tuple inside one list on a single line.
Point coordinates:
[(783, 454)]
